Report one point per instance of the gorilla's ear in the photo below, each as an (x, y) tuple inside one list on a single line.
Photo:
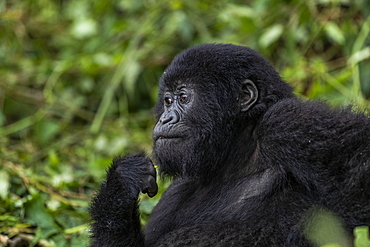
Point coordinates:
[(249, 95)]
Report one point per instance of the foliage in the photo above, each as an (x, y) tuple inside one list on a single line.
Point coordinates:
[(362, 237), (325, 229), (78, 79)]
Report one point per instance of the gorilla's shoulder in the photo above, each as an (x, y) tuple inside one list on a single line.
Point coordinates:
[(295, 114)]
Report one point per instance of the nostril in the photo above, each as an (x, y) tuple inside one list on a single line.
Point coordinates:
[(166, 119), (171, 117)]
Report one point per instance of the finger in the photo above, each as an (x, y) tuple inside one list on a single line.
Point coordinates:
[(153, 188), (151, 170), (149, 186)]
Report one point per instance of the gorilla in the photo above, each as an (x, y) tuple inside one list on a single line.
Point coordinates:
[(251, 163)]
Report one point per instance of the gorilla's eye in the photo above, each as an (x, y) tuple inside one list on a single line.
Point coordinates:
[(183, 97), (168, 100)]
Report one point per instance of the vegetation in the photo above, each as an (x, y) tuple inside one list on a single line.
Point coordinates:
[(78, 79)]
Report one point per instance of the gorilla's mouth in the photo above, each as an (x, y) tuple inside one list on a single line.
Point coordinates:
[(168, 137), (165, 137)]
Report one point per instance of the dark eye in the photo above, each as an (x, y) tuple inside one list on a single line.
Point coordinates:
[(183, 97), (168, 100)]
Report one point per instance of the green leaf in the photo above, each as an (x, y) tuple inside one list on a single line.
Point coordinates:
[(271, 35), (84, 28), (37, 214), (4, 184), (46, 130), (334, 32), (323, 228), (359, 56), (362, 236)]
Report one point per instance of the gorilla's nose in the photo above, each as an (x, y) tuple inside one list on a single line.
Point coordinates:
[(170, 117)]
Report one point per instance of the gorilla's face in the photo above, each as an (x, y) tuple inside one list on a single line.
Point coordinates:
[(170, 126), (201, 110), (196, 126), (175, 135)]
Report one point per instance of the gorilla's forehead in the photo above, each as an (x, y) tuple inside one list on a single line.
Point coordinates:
[(173, 84), (182, 78), (209, 64), (216, 56)]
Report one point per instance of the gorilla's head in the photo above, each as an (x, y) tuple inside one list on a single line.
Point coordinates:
[(210, 98)]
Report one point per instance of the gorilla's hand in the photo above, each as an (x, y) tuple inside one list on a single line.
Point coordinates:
[(114, 210), (136, 173)]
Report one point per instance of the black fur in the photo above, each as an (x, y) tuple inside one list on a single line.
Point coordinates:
[(241, 177)]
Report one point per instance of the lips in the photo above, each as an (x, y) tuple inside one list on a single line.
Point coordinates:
[(165, 137)]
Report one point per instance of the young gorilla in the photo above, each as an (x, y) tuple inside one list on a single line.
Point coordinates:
[(250, 161)]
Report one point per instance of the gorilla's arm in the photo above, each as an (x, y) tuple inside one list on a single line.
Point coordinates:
[(114, 209)]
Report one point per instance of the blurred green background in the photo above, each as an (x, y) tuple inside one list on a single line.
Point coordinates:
[(78, 79)]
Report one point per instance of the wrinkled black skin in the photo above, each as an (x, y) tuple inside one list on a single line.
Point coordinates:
[(249, 160)]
